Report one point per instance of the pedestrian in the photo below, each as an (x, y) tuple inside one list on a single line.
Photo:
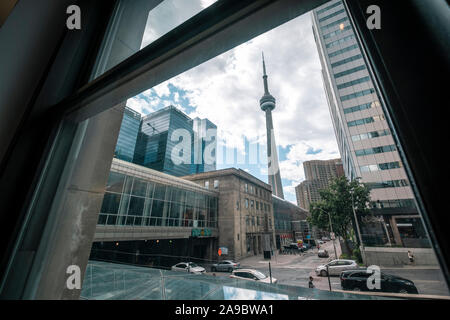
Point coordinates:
[(310, 283), (410, 257)]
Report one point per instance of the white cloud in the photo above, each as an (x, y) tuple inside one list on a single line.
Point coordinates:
[(227, 90)]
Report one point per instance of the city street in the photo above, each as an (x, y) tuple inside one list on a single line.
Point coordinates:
[(296, 269)]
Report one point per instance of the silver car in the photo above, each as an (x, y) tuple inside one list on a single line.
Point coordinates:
[(188, 267), (335, 267), (225, 265), (252, 274)]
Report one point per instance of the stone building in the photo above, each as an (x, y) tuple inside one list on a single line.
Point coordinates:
[(245, 219)]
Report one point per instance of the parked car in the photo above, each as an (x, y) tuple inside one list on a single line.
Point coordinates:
[(322, 253), (356, 280), (251, 274), (325, 239), (335, 267), (225, 265), (188, 267)]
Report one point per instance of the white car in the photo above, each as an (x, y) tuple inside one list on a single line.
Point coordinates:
[(335, 267), (251, 274), (188, 267)]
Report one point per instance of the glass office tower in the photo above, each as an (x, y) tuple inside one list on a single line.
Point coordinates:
[(365, 142), (129, 129), (205, 144)]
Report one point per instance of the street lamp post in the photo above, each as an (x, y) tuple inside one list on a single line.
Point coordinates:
[(331, 228), (363, 253)]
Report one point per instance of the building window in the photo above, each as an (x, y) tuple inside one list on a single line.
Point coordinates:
[(353, 82), (257, 205), (252, 204), (335, 23), (337, 32), (357, 94), (369, 151), (246, 203), (349, 71), (362, 107), (216, 184), (386, 184), (365, 121), (369, 135), (237, 205), (331, 15), (338, 52), (337, 42), (380, 166), (328, 7), (207, 184), (246, 187)]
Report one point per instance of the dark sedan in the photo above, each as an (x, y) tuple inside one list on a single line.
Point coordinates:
[(356, 280)]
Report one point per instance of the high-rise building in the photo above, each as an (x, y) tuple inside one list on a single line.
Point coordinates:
[(205, 145), (267, 104), (167, 140), (129, 130), (364, 138), (318, 174)]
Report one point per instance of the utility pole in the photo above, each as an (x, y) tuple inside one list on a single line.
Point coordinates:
[(331, 228)]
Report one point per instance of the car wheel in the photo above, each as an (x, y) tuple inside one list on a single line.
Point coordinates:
[(230, 269), (356, 289), (323, 273), (213, 269), (402, 291)]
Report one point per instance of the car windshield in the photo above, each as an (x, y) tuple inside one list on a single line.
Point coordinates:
[(192, 265), (259, 275)]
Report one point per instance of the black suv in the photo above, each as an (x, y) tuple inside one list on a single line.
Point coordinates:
[(356, 280)]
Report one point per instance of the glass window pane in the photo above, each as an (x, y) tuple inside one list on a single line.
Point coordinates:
[(136, 206), (139, 187), (160, 191), (115, 182), (110, 203)]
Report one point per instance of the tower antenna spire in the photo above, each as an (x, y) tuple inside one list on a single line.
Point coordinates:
[(266, 86)]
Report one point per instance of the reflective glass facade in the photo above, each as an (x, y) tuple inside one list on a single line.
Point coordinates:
[(129, 129), (131, 199), (171, 142)]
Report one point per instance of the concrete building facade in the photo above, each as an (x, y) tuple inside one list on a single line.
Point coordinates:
[(365, 141), (246, 220), (318, 174)]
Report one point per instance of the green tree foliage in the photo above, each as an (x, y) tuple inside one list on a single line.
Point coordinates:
[(337, 202)]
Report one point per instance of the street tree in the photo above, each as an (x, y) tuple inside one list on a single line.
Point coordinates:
[(336, 201)]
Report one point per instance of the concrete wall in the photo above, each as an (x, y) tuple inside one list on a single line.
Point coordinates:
[(399, 256)]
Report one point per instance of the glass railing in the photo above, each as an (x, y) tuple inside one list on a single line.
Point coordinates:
[(111, 281)]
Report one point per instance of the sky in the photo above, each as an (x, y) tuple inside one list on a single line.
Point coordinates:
[(227, 89)]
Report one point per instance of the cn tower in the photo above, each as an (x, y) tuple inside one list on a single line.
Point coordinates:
[(267, 104)]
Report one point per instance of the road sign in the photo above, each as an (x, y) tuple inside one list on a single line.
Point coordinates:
[(219, 252)]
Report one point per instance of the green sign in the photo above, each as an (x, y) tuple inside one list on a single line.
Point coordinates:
[(201, 232)]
